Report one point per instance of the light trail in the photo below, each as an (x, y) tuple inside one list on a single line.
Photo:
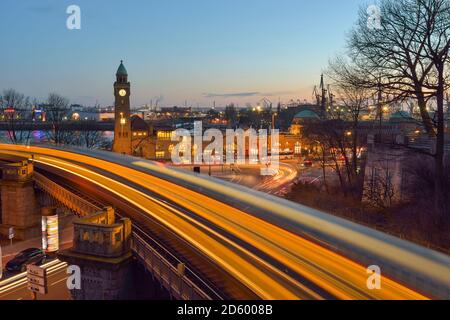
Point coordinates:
[(334, 273), (260, 282)]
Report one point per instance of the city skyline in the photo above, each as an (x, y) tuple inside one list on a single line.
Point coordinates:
[(239, 52)]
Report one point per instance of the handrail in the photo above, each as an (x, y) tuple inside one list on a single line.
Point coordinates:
[(174, 279)]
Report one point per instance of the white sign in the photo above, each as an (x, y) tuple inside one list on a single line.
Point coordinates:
[(37, 271), (37, 288), (37, 281), (11, 233)]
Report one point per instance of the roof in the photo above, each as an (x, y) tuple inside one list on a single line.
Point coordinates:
[(306, 114), (121, 71), (138, 124), (399, 115)]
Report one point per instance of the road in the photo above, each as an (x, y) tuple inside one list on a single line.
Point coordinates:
[(250, 176), (270, 261)]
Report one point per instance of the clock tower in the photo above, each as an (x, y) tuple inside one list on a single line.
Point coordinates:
[(122, 127)]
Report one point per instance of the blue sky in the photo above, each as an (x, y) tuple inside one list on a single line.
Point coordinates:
[(196, 50)]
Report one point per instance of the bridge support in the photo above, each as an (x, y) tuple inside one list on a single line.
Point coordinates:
[(102, 251), (19, 206)]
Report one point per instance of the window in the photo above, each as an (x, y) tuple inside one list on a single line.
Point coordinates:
[(160, 154), (164, 135), (298, 148)]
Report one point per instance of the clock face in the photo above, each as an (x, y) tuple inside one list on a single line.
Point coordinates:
[(122, 92)]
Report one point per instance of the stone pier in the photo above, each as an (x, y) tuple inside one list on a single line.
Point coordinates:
[(101, 249), (19, 206)]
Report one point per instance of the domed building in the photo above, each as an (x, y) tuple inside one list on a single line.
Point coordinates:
[(404, 122), (401, 116), (305, 116)]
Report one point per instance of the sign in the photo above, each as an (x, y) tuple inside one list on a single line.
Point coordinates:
[(11, 233), (36, 271), (37, 289), (50, 233), (37, 279)]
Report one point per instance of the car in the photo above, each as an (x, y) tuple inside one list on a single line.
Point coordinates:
[(29, 256), (307, 163)]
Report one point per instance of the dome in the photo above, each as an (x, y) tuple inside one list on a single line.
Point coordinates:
[(121, 71), (305, 115), (400, 115)]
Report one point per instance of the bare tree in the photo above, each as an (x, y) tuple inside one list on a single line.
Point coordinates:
[(57, 111), (408, 57), (353, 99), (330, 136), (91, 139), (16, 108), (379, 191)]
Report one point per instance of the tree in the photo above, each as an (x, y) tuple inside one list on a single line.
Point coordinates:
[(379, 192), (353, 99), (16, 108), (231, 115), (329, 136), (408, 57), (57, 112), (90, 138)]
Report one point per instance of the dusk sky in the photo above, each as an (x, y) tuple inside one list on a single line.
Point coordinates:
[(195, 50)]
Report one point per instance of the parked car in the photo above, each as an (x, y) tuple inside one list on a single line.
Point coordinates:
[(29, 256), (307, 163)]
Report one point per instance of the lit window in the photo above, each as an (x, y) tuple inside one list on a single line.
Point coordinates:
[(298, 148), (160, 154), (164, 135)]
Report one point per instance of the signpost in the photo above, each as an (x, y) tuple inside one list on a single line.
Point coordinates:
[(37, 280), (11, 234)]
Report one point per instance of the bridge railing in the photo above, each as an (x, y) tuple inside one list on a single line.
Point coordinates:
[(71, 201), (172, 278), (167, 269)]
